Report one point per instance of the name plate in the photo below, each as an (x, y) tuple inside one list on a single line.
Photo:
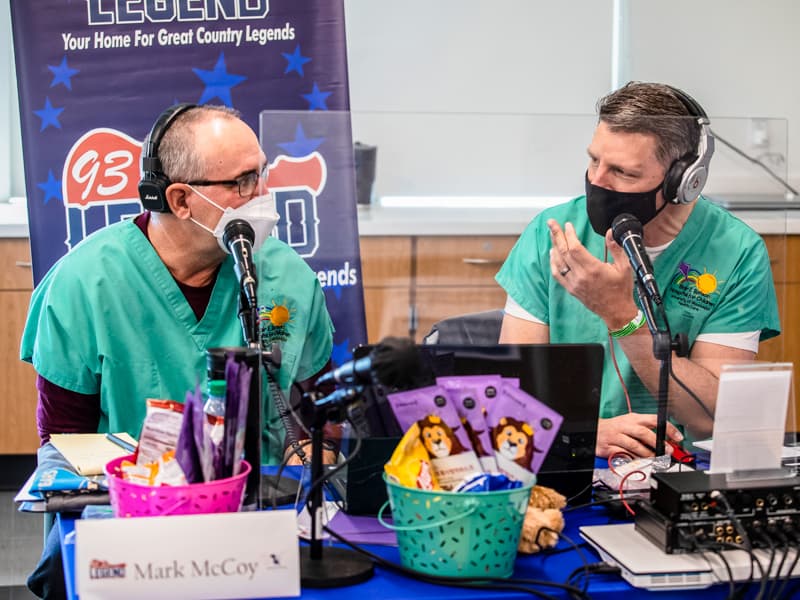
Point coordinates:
[(227, 555)]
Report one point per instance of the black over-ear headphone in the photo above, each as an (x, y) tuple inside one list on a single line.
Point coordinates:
[(154, 182), (686, 176)]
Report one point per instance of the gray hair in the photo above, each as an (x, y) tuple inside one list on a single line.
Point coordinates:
[(179, 160), (652, 109)]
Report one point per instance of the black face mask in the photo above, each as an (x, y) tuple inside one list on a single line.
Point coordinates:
[(603, 205)]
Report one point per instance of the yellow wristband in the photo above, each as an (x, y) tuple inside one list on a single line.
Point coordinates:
[(635, 324)]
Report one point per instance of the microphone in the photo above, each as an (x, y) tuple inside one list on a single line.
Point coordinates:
[(392, 362), (627, 232), (238, 238)]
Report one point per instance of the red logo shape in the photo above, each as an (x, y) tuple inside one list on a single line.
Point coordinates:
[(290, 172), (102, 167)]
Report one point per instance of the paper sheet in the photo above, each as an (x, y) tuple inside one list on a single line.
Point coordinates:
[(89, 452), (750, 417)]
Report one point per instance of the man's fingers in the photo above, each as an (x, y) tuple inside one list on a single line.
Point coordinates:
[(674, 433)]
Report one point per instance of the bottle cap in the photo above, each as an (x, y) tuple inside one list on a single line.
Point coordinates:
[(217, 387)]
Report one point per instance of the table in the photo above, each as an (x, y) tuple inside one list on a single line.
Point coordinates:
[(388, 585)]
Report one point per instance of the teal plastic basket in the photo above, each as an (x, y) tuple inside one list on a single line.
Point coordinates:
[(455, 534)]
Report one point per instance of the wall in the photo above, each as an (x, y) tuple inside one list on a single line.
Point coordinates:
[(516, 56), (528, 57)]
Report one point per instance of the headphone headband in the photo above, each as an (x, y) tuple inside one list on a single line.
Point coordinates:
[(154, 182)]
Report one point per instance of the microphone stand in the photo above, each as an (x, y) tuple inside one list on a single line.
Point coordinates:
[(341, 566), (248, 315), (663, 346), (272, 489)]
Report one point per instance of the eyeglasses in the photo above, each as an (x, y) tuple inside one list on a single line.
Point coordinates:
[(246, 183)]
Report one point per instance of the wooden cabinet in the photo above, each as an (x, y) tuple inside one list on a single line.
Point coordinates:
[(455, 276), (17, 379), (784, 253), (386, 263), (411, 282)]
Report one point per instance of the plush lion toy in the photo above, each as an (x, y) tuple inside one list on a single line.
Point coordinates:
[(544, 510)]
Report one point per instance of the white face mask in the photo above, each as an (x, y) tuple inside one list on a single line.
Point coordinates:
[(259, 212)]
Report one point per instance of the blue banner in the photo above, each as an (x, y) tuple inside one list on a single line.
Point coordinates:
[(93, 76)]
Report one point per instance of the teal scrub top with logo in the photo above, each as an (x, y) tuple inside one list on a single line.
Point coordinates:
[(109, 318), (714, 277)]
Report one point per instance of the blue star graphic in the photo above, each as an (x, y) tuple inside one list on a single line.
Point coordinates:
[(301, 145), (218, 82), (51, 187), (49, 115), (316, 99), (341, 353), (336, 289), (62, 74), (295, 61)]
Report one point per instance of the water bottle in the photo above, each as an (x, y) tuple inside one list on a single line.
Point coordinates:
[(215, 409)]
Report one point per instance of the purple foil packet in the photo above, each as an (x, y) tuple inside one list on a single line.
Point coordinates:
[(189, 448), (445, 439), (522, 431), (472, 395)]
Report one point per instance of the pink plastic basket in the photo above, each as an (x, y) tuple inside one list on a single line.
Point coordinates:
[(135, 500)]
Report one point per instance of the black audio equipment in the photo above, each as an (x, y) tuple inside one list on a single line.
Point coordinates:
[(693, 510)]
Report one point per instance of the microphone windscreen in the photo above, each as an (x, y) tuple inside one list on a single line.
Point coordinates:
[(625, 223), (238, 228), (395, 362)]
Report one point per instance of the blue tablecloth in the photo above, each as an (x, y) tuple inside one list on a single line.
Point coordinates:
[(548, 566)]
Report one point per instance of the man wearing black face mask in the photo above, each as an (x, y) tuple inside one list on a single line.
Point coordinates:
[(569, 282)]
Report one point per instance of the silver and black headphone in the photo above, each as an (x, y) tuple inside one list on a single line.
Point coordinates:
[(687, 175)]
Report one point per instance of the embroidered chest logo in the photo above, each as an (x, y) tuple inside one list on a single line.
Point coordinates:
[(694, 289), (275, 322)]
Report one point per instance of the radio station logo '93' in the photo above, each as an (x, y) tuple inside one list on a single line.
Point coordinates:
[(100, 186)]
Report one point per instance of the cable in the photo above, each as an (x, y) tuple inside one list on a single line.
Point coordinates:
[(788, 576), (622, 489), (755, 161), (774, 531), (765, 577), (694, 396), (590, 504), (477, 583), (598, 568), (731, 580), (580, 493), (327, 475)]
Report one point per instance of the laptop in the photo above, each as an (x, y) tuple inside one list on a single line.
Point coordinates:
[(645, 565), (566, 377)]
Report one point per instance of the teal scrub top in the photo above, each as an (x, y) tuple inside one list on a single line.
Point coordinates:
[(109, 318), (714, 277)]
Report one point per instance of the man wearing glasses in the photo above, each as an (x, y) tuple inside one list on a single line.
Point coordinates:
[(129, 313)]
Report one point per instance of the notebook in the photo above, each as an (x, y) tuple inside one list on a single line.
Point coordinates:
[(566, 377), (89, 452)]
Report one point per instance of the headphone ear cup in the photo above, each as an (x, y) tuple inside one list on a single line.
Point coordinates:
[(154, 182), (672, 188), (153, 192)]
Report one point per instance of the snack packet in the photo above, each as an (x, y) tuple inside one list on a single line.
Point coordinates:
[(410, 464), (440, 430), (160, 430), (471, 394), (522, 431)]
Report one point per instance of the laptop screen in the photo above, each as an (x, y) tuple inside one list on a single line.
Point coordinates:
[(566, 377)]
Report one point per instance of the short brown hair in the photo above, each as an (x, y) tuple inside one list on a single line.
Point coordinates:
[(177, 153), (652, 109)]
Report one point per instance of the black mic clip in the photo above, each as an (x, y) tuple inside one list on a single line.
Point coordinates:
[(337, 405)]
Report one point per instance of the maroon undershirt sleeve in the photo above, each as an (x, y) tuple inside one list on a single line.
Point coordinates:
[(63, 411)]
